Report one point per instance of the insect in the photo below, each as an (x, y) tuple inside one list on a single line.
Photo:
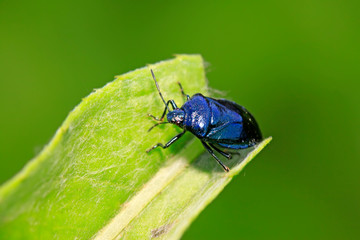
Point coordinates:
[(217, 123)]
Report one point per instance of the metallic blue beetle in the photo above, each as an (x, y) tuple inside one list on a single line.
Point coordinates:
[(216, 122)]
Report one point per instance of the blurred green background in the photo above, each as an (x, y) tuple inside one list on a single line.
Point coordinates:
[(294, 64)]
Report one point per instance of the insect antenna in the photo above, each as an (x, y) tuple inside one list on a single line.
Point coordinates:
[(158, 88), (156, 125)]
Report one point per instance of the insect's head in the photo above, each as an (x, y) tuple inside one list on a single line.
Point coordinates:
[(176, 117)]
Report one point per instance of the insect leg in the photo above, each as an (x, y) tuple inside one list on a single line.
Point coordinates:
[(227, 155), (174, 139), (156, 124), (214, 156), (173, 104), (183, 93)]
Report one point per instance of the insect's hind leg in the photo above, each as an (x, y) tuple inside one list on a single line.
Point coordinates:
[(226, 168), (227, 155), (168, 144), (183, 93)]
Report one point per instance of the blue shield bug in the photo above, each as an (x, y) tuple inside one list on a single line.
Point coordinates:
[(218, 123)]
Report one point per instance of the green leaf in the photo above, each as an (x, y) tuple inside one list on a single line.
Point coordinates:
[(94, 179)]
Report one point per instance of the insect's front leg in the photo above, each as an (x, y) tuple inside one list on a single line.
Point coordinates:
[(174, 139), (173, 105)]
